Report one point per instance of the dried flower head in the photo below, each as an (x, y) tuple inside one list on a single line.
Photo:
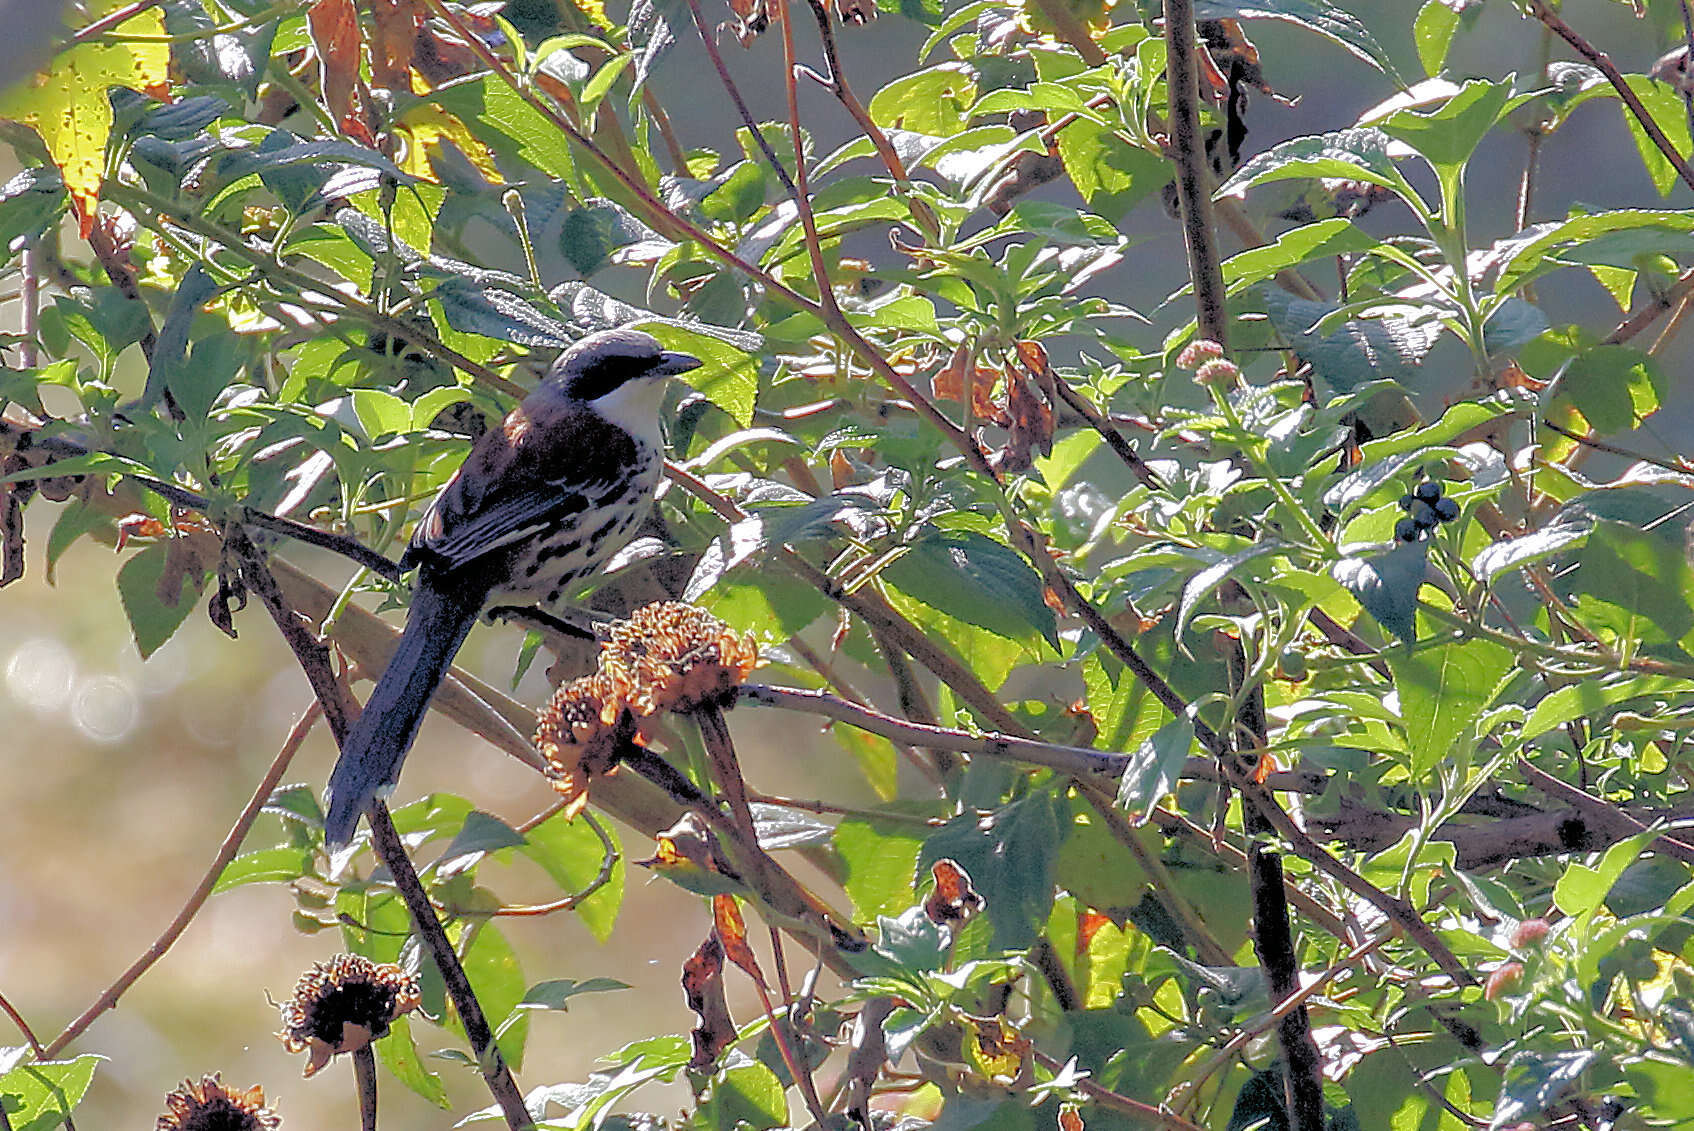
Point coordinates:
[(1197, 353), (343, 1005), (675, 657), (209, 1106), (582, 732)]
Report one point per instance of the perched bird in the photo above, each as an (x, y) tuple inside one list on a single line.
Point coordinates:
[(539, 503)]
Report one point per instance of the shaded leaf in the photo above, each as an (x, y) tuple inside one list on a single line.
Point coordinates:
[(1387, 585)]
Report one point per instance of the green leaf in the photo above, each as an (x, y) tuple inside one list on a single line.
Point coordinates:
[(730, 377), (1535, 1080), (151, 621), (1360, 349), (1333, 23), (1447, 135), (881, 859), (1124, 711), (1205, 583), (1324, 239), (481, 833), (573, 857), (497, 977), (975, 579), (934, 101), (502, 120), (1352, 154), (1614, 387), (1442, 692), (1587, 698), (1665, 107), (1387, 585), (1009, 854), (1153, 768), (1635, 585), (399, 1052), (1112, 175), (749, 1095), (265, 866), (492, 311), (41, 1095), (1498, 557), (557, 994), (1432, 31)]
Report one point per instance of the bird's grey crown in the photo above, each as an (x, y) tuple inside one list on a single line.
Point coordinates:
[(602, 362)]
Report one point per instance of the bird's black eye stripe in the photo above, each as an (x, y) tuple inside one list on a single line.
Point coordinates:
[(603, 374)]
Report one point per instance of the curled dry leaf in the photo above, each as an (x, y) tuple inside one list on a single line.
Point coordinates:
[(953, 900), (732, 932), (702, 986), (688, 854)]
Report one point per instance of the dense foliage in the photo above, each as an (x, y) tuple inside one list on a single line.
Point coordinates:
[(1278, 700)]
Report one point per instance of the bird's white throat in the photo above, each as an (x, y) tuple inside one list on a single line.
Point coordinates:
[(634, 407)]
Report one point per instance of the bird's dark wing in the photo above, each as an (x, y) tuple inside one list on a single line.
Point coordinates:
[(544, 466)]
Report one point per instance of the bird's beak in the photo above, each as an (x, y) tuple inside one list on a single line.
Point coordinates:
[(671, 363)]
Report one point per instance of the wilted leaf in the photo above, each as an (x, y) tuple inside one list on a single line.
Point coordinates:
[(702, 986), (732, 933)]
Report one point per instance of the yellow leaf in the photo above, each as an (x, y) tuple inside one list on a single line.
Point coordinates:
[(427, 124), (67, 104)]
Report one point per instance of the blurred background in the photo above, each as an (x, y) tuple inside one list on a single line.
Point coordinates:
[(122, 776)]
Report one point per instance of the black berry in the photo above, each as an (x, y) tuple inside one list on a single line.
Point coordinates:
[(1428, 491), (1446, 510), (1424, 516), (1406, 502), (1406, 530)]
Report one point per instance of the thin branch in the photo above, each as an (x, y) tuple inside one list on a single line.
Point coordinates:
[(747, 119), (226, 852), (1073, 760), (17, 1019), (1192, 178), (313, 658), (1544, 12), (1662, 302), (112, 19), (490, 1062), (1602, 812), (1616, 449), (835, 81)]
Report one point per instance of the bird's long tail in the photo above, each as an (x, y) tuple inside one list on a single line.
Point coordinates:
[(371, 757)]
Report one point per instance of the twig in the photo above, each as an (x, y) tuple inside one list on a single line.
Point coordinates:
[(667, 132), (112, 19), (1282, 1009), (835, 81), (1191, 172), (29, 313), (1273, 934), (1688, 44), (1206, 947), (492, 1064), (17, 1019), (364, 1076), (1616, 449), (710, 42), (226, 852), (1123, 1105), (1544, 12), (1108, 431), (874, 612), (1073, 760), (313, 658)]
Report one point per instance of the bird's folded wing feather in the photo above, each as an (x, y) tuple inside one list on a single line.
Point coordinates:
[(526, 477)]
